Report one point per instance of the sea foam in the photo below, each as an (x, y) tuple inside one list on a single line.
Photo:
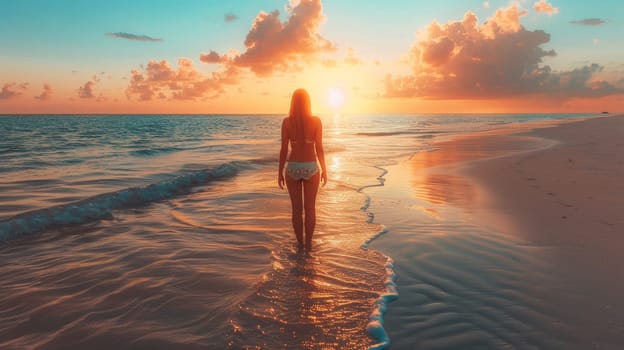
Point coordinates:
[(375, 326)]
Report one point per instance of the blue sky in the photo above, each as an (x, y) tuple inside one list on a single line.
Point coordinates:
[(65, 41)]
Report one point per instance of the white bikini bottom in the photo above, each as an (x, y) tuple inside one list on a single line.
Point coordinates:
[(301, 170)]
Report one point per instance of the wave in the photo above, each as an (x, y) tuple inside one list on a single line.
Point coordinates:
[(101, 206)]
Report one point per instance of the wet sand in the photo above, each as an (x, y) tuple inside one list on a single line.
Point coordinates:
[(509, 239), (569, 195)]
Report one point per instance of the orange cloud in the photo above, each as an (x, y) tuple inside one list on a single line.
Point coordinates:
[(211, 57), (275, 46), (12, 90), (86, 91), (543, 7), (504, 21), (499, 58), (159, 79), (46, 93)]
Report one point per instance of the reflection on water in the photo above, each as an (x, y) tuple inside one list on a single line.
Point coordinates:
[(317, 300), (306, 305), (434, 175), (444, 189), (335, 167), (473, 147)]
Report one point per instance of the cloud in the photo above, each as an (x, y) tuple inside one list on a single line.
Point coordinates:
[(46, 93), (583, 82), (542, 6), (86, 91), (589, 22), (159, 80), (230, 17), (272, 45), (12, 90), (499, 58), (211, 57), (128, 36)]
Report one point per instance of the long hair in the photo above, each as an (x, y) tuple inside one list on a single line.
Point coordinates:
[(300, 110)]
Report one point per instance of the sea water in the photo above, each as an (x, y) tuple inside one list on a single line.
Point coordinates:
[(169, 231)]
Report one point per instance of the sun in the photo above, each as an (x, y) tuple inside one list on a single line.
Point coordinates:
[(335, 98)]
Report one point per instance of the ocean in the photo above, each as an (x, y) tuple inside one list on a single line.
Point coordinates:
[(169, 231)]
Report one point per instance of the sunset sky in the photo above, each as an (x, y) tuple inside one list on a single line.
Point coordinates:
[(240, 56)]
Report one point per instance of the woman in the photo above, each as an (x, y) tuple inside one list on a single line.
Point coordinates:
[(305, 135)]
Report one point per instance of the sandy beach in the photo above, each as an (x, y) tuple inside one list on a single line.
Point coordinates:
[(569, 195), (517, 227)]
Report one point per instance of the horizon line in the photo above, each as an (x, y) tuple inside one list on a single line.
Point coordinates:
[(319, 114)]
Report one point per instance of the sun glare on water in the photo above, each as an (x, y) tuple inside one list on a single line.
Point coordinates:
[(335, 98)]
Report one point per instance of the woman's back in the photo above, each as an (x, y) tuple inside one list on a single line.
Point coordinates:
[(303, 147)]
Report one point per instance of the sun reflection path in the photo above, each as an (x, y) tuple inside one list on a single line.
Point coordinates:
[(335, 166), (323, 299)]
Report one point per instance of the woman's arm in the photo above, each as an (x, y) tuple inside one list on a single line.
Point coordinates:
[(320, 152), (282, 155)]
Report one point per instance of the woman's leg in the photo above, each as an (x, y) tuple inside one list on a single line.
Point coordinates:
[(310, 189), (296, 200)]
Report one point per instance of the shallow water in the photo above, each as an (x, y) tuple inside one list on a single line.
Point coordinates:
[(183, 273), (170, 232)]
